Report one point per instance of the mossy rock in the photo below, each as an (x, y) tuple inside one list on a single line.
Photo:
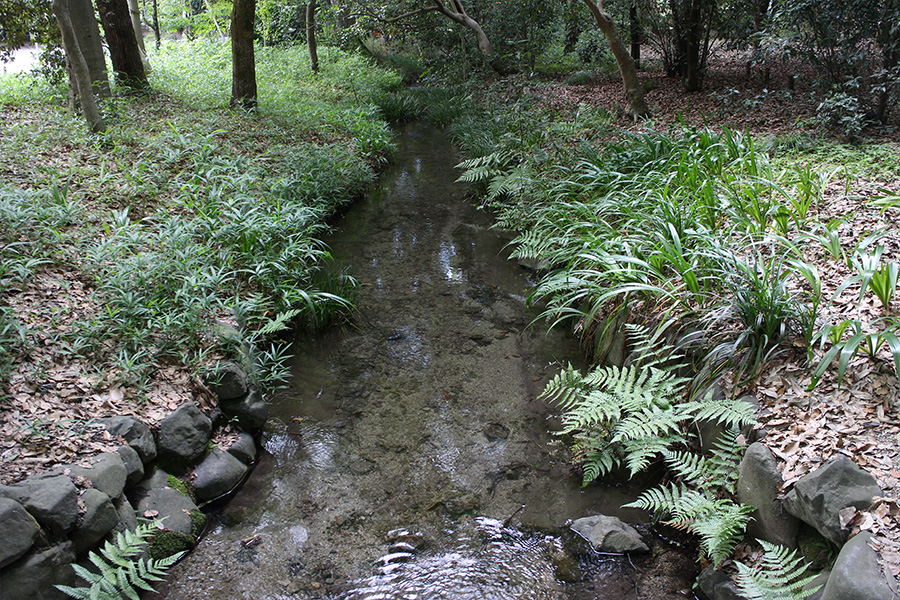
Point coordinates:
[(180, 486), (198, 522), (166, 543)]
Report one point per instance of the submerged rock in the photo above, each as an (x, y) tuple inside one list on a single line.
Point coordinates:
[(609, 534)]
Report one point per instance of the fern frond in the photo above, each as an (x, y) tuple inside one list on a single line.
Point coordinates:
[(730, 412), (721, 528), (778, 576), (119, 574), (565, 388), (661, 501), (693, 468), (725, 457), (598, 463), (650, 422), (280, 322), (640, 453), (484, 168)]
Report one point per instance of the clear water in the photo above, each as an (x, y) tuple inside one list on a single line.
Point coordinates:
[(410, 459)]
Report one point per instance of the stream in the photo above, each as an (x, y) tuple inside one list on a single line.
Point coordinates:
[(410, 458)]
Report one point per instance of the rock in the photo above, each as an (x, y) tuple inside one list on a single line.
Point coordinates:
[(136, 433), (218, 474), (857, 575), (156, 479), (609, 534), (819, 497), (127, 516), (715, 584), (51, 498), (173, 507), (33, 577), (244, 449), (106, 472), (759, 484), (134, 466), (251, 411), (19, 531), (183, 437), (227, 380), (100, 517)]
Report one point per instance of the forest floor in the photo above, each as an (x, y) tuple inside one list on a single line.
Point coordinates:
[(860, 415), (51, 403)]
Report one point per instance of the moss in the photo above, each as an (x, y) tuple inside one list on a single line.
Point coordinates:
[(177, 484), (167, 543), (198, 522)]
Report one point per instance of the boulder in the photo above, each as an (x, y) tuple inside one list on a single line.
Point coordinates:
[(609, 534), (227, 380), (106, 471), (50, 497), (156, 478), (19, 531), (134, 466), (759, 484), (127, 518), (218, 474), (244, 449), (819, 497), (100, 517), (251, 411), (857, 575), (34, 576), (135, 432), (715, 584), (183, 437), (171, 506)]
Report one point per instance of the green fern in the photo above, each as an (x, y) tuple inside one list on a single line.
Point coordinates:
[(719, 523), (280, 322), (485, 168), (120, 573), (778, 576), (709, 473), (730, 412)]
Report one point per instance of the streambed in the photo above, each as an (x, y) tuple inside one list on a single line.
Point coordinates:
[(410, 458)]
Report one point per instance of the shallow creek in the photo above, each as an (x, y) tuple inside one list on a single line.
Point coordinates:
[(410, 458)]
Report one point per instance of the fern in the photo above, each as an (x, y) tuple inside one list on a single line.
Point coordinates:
[(718, 523), (120, 573), (778, 576), (718, 471), (280, 322), (730, 412)]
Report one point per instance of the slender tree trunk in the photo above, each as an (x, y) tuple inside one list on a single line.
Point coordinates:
[(456, 12), (311, 43), (84, 23), (243, 73), (123, 47), (156, 23), (637, 33), (135, 12), (634, 93), (78, 66)]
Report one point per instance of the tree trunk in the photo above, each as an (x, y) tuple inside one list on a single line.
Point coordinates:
[(78, 68), (135, 12), (123, 47), (156, 23), (637, 32), (84, 23), (456, 12), (634, 93), (243, 72), (311, 43)]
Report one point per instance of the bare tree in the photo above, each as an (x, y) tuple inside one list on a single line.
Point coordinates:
[(634, 93), (243, 60), (78, 68)]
